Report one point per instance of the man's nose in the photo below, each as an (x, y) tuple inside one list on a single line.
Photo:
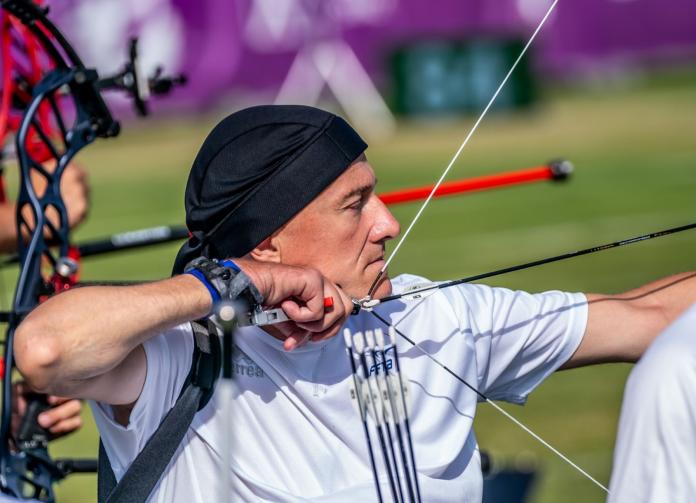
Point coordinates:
[(385, 226)]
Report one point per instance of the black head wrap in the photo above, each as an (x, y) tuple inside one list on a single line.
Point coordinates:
[(257, 169)]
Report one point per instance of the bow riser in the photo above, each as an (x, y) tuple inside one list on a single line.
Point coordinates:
[(46, 240)]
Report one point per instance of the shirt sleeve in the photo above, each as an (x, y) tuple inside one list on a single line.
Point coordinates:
[(520, 338), (169, 356)]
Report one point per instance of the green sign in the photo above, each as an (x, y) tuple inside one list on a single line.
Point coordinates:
[(454, 77)]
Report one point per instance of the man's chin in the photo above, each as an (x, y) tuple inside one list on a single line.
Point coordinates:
[(359, 290), (384, 288)]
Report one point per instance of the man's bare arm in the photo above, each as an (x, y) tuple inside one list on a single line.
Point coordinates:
[(81, 342), (621, 327), (87, 342)]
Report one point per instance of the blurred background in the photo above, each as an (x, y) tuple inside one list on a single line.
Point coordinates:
[(609, 85)]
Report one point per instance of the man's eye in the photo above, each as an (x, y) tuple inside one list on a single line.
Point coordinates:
[(353, 204), (358, 203)]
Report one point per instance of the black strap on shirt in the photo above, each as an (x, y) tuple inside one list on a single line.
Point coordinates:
[(147, 468)]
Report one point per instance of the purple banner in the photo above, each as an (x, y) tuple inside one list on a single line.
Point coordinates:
[(228, 46)]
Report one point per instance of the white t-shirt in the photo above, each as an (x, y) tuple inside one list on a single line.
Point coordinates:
[(655, 454), (296, 435)]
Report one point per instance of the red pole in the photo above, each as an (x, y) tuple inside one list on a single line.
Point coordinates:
[(555, 171)]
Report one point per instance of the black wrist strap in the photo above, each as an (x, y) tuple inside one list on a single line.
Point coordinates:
[(225, 279)]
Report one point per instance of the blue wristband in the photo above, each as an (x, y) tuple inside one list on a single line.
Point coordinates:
[(228, 263), (201, 277)]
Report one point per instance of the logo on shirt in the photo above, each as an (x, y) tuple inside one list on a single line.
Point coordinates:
[(243, 366), (382, 361)]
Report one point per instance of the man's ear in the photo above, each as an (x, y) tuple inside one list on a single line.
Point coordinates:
[(267, 250)]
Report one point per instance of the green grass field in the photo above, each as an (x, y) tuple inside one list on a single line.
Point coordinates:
[(635, 158)]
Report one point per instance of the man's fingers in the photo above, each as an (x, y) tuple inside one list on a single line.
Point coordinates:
[(279, 283), (329, 332), (19, 402), (293, 336), (328, 317), (296, 340), (301, 293), (302, 313), (317, 326), (75, 189), (68, 410), (57, 400), (305, 299), (21, 387), (66, 426)]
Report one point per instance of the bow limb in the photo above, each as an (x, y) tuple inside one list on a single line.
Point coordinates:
[(51, 131), (42, 224)]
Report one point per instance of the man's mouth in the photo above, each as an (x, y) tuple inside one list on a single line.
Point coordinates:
[(378, 260)]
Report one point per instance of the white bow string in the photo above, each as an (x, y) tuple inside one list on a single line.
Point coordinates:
[(365, 301)]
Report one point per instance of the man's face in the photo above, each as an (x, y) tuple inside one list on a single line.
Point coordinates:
[(342, 233)]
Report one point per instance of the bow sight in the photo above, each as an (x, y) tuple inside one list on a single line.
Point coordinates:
[(133, 81), (62, 111)]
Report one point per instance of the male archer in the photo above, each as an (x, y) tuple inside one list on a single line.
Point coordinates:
[(284, 197)]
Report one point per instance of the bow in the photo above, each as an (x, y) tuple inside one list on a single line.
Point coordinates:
[(59, 110)]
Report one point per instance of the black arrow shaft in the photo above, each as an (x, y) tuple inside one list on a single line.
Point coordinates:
[(548, 260)]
